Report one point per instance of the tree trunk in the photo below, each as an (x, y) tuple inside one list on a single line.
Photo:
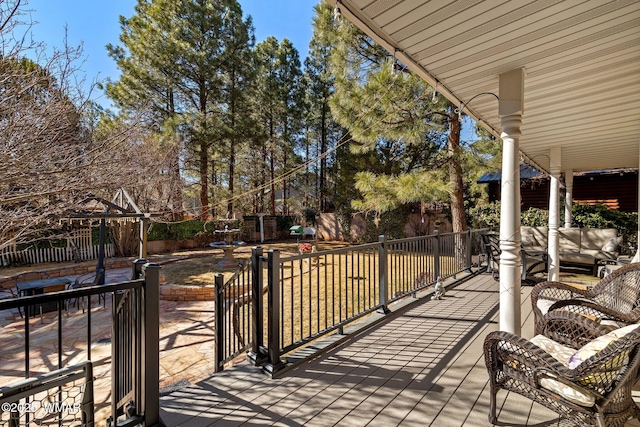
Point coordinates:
[(175, 183), (285, 186), (232, 171), (323, 160), (232, 144), (272, 167), (204, 181), (307, 184), (261, 209), (458, 218)]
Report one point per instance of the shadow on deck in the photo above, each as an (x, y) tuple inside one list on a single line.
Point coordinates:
[(424, 366)]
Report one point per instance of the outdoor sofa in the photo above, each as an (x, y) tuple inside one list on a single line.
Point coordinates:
[(578, 247)]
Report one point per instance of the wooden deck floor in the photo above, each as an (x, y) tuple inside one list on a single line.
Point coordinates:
[(424, 366)]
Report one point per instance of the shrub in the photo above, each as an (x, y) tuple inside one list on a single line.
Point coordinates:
[(391, 224), (179, 230), (158, 231), (483, 216), (284, 223), (598, 216), (534, 217)]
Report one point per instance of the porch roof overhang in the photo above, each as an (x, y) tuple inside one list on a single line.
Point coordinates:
[(581, 59)]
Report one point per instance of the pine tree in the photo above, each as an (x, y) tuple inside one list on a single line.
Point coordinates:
[(173, 53), (238, 69), (279, 112), (320, 124), (392, 112)]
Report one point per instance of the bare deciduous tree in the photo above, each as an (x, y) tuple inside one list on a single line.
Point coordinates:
[(51, 157)]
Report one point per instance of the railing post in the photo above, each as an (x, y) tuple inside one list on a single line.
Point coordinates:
[(436, 255), (137, 268), (383, 274), (257, 354), (151, 346), (468, 248), (219, 318), (274, 363)]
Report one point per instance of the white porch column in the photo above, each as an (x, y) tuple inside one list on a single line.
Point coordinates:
[(568, 198), (555, 160), (510, 109), (636, 257)]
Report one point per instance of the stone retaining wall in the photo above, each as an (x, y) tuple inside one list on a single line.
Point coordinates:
[(7, 282), (187, 293)]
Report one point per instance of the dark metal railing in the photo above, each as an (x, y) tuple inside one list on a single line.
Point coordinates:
[(233, 311), (135, 342), (312, 294), (67, 391), (412, 264)]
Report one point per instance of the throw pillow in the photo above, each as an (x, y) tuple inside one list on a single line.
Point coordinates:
[(612, 245), (598, 344), (529, 240)]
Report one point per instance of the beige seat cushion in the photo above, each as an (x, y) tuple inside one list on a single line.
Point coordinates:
[(543, 305), (597, 345), (577, 258), (560, 352), (568, 390)]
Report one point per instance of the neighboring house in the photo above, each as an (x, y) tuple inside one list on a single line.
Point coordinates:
[(617, 188)]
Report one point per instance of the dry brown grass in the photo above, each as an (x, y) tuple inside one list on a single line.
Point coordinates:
[(201, 270)]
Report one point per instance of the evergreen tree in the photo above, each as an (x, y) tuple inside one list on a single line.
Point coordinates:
[(322, 128), (238, 69), (279, 110), (146, 84), (173, 56), (292, 102), (392, 112)]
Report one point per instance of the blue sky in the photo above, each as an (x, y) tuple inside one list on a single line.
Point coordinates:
[(95, 23)]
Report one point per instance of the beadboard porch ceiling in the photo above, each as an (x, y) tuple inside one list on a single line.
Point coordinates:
[(581, 58)]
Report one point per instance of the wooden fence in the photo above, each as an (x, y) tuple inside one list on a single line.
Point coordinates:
[(79, 248)]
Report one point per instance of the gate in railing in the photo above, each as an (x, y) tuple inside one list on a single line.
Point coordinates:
[(312, 294), (234, 316), (68, 391)]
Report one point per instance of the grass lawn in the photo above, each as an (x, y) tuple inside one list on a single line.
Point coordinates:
[(200, 270)]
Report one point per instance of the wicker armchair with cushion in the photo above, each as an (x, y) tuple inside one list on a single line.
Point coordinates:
[(614, 300), (587, 385)]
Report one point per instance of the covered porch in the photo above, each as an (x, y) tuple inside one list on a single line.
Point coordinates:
[(557, 81), (423, 366)]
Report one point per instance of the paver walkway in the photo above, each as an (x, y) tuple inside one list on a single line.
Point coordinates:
[(186, 342)]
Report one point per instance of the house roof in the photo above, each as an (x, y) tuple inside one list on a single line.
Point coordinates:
[(526, 172), (529, 172), (581, 59)]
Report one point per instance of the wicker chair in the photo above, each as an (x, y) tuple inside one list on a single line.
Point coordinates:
[(615, 300), (595, 392)]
